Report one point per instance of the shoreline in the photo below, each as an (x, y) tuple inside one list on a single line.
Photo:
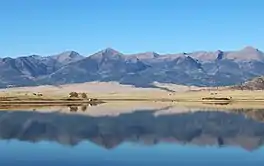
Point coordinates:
[(248, 104), (202, 98)]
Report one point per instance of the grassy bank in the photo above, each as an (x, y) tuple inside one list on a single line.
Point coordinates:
[(189, 96), (220, 98)]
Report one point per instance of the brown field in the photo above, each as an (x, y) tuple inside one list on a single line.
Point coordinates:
[(112, 92)]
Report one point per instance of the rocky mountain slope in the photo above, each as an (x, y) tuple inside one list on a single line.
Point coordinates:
[(254, 84), (196, 68)]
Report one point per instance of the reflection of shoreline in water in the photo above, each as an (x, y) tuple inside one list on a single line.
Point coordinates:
[(198, 128), (217, 103), (83, 108)]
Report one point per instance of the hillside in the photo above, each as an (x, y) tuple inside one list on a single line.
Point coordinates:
[(201, 68), (254, 84)]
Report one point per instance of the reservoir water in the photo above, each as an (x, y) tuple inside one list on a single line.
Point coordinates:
[(139, 137)]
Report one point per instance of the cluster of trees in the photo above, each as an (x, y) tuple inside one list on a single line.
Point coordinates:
[(76, 95)]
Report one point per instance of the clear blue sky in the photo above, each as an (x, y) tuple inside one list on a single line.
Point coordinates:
[(164, 26)]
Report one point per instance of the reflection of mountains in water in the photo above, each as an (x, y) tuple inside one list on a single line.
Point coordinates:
[(199, 128)]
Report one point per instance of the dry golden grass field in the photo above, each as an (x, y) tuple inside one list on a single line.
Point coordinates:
[(114, 92)]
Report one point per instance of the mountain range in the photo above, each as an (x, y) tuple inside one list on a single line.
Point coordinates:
[(200, 68)]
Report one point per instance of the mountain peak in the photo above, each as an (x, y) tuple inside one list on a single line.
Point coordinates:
[(219, 54), (67, 56), (219, 51), (249, 48), (150, 54), (34, 56), (110, 51), (106, 53), (248, 53)]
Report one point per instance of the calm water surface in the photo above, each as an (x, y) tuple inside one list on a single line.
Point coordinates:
[(132, 139)]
